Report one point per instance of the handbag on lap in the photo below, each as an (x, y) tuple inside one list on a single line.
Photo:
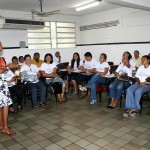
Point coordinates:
[(148, 79), (124, 77)]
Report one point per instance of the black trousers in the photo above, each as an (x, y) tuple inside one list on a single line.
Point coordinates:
[(14, 90)]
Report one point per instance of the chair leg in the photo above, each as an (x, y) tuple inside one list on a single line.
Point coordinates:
[(141, 104), (121, 102), (100, 96), (56, 98), (109, 101)]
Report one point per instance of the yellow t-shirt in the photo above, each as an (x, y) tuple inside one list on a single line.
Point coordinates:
[(137, 61), (38, 64)]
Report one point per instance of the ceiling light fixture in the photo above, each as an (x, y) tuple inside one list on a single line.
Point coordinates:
[(88, 5)]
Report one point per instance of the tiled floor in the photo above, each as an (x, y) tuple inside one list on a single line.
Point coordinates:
[(77, 125)]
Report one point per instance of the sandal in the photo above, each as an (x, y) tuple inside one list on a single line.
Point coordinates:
[(19, 108), (35, 106), (43, 105), (12, 110), (61, 102), (82, 94), (11, 133)]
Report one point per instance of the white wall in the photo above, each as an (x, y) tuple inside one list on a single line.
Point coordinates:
[(134, 26), (114, 52), (131, 28), (11, 38)]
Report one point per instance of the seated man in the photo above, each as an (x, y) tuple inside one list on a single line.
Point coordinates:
[(14, 64), (14, 89), (88, 67), (137, 59), (36, 60), (33, 83), (21, 60), (57, 58)]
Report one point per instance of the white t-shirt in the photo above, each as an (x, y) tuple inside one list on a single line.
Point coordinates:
[(100, 67), (132, 63), (75, 64), (30, 69), (124, 69), (143, 73), (90, 64), (48, 68), (9, 75), (56, 60)]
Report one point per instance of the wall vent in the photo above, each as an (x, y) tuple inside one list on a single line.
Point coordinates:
[(99, 25)]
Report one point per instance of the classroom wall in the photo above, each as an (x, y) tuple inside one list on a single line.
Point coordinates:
[(130, 29), (11, 38)]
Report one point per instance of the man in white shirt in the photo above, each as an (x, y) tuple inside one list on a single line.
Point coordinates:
[(57, 58), (33, 83), (87, 67)]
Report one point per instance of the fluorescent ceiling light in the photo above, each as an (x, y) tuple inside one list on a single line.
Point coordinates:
[(88, 5)]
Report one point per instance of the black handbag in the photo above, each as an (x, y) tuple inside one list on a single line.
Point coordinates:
[(124, 77), (148, 79), (56, 87)]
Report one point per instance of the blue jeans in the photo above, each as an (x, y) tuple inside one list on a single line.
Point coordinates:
[(116, 88), (33, 87), (92, 84), (134, 94)]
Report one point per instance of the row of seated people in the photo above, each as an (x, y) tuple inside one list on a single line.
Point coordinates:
[(48, 70)]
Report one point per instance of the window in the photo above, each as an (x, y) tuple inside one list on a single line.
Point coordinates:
[(53, 35)]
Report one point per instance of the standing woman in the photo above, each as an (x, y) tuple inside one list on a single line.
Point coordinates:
[(134, 93), (73, 65), (5, 99)]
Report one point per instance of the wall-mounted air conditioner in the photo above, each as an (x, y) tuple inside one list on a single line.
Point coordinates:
[(9, 23)]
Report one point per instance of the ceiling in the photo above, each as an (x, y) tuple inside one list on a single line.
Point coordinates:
[(66, 6)]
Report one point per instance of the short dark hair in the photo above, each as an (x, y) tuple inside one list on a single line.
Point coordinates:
[(88, 54), (146, 56), (36, 53), (27, 55), (20, 57), (137, 51), (50, 55), (105, 56), (14, 57), (129, 55)]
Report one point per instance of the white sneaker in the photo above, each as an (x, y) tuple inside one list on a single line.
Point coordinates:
[(133, 114), (91, 102), (94, 101), (126, 115), (83, 89)]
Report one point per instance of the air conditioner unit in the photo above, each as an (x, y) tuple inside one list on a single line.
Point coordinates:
[(9, 23)]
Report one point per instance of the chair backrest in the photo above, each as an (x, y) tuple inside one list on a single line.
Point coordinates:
[(63, 65), (113, 68), (111, 63)]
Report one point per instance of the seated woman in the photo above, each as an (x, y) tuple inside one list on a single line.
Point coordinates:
[(116, 88), (135, 92), (29, 70), (14, 89), (73, 65), (101, 68), (126, 54), (48, 69)]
